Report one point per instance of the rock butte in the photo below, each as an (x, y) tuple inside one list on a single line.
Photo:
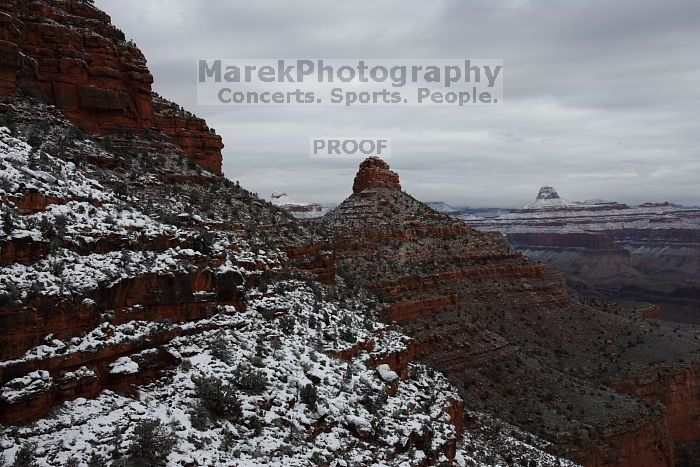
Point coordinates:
[(514, 338), (375, 173)]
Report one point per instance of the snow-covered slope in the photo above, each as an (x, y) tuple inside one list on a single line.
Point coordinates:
[(284, 352), (173, 309)]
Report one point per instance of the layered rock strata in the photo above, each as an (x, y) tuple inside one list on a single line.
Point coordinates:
[(513, 337), (69, 54)]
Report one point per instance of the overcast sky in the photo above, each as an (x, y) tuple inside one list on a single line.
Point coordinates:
[(602, 99)]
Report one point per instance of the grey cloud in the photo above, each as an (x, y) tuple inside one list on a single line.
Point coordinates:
[(601, 97)]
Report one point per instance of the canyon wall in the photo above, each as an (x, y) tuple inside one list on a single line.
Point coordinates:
[(68, 53)]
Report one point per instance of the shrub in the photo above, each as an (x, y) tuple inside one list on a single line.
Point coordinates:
[(47, 228), (119, 34), (8, 120), (347, 377), (195, 198), (25, 456), (286, 324), (204, 242), (229, 439), (57, 267), (276, 344), (249, 379), (34, 289), (169, 218), (347, 335), (151, 444), (256, 425), (217, 396), (61, 224), (96, 461), (5, 184), (317, 458), (199, 417), (34, 139), (9, 220), (219, 348), (11, 292), (260, 350), (117, 438), (312, 321), (309, 396)]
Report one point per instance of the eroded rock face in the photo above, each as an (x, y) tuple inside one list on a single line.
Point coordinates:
[(375, 173), (510, 333), (68, 53), (679, 391), (190, 133)]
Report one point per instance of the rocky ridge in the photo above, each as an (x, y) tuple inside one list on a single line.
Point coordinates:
[(513, 338)]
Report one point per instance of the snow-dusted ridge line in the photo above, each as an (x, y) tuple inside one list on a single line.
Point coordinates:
[(290, 360)]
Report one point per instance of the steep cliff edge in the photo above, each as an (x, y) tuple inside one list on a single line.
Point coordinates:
[(510, 334), (68, 53)]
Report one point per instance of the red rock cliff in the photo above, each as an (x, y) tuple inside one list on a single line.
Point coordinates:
[(375, 173), (69, 53)]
